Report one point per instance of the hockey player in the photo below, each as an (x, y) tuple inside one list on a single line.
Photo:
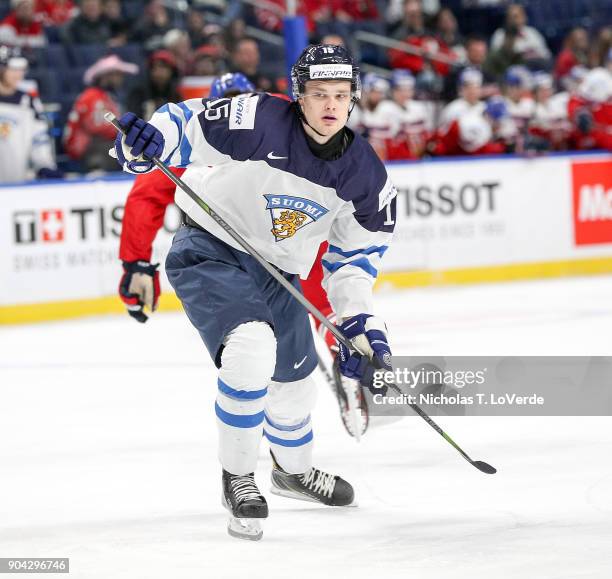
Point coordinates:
[(410, 119), (286, 176), (470, 92), (24, 138), (590, 111), (550, 121), (139, 285)]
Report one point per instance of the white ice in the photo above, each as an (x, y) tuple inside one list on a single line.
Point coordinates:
[(107, 454)]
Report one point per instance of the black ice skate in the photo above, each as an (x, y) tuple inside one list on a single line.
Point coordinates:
[(314, 485), (246, 506), (349, 393)]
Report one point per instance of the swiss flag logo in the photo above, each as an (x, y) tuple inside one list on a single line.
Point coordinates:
[(52, 222), (592, 191)]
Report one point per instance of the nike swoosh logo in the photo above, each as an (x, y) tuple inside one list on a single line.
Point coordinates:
[(296, 366), (271, 155)]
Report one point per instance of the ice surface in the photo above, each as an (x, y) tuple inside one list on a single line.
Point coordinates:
[(107, 455)]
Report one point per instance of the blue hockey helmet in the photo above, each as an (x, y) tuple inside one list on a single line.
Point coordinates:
[(325, 62), (401, 78), (230, 84), (375, 82), (496, 108)]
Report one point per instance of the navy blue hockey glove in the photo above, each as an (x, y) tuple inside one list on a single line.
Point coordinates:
[(139, 287), (369, 335), (140, 143)]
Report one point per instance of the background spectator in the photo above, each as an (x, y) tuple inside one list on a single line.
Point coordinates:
[(207, 61), (22, 26), (575, 52), (600, 51), (90, 26), (177, 42), (119, 25), (56, 12), (517, 43), (158, 87), (447, 30), (245, 58), (430, 53), (151, 30), (88, 136), (476, 51)]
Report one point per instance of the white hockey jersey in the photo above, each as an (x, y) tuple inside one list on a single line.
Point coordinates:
[(459, 108), (248, 158), (24, 138)]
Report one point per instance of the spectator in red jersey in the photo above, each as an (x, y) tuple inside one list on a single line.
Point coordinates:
[(430, 53), (88, 136), (447, 30), (354, 10), (574, 53), (56, 12), (22, 27)]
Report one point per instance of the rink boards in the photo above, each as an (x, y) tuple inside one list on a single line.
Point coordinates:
[(461, 221)]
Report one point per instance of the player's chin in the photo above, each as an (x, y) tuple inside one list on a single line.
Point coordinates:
[(329, 128)]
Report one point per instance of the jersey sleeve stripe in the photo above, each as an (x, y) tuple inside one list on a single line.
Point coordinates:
[(380, 249), (361, 263)]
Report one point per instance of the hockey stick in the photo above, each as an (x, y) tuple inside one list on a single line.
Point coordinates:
[(110, 117)]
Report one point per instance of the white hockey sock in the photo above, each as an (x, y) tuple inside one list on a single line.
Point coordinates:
[(247, 363)]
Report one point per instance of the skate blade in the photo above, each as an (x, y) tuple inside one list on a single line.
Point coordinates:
[(247, 529), (300, 497)]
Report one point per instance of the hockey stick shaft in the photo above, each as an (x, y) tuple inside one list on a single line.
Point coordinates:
[(110, 117)]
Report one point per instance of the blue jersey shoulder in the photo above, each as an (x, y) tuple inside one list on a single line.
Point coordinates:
[(363, 180), (240, 127)]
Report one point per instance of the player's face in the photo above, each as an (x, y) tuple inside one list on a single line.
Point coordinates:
[(12, 77), (402, 94), (326, 104)]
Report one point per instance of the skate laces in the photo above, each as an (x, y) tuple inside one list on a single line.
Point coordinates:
[(244, 488), (319, 482)]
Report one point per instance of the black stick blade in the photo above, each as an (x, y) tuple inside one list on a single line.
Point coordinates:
[(484, 467)]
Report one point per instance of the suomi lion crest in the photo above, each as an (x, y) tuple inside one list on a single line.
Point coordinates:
[(289, 214)]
